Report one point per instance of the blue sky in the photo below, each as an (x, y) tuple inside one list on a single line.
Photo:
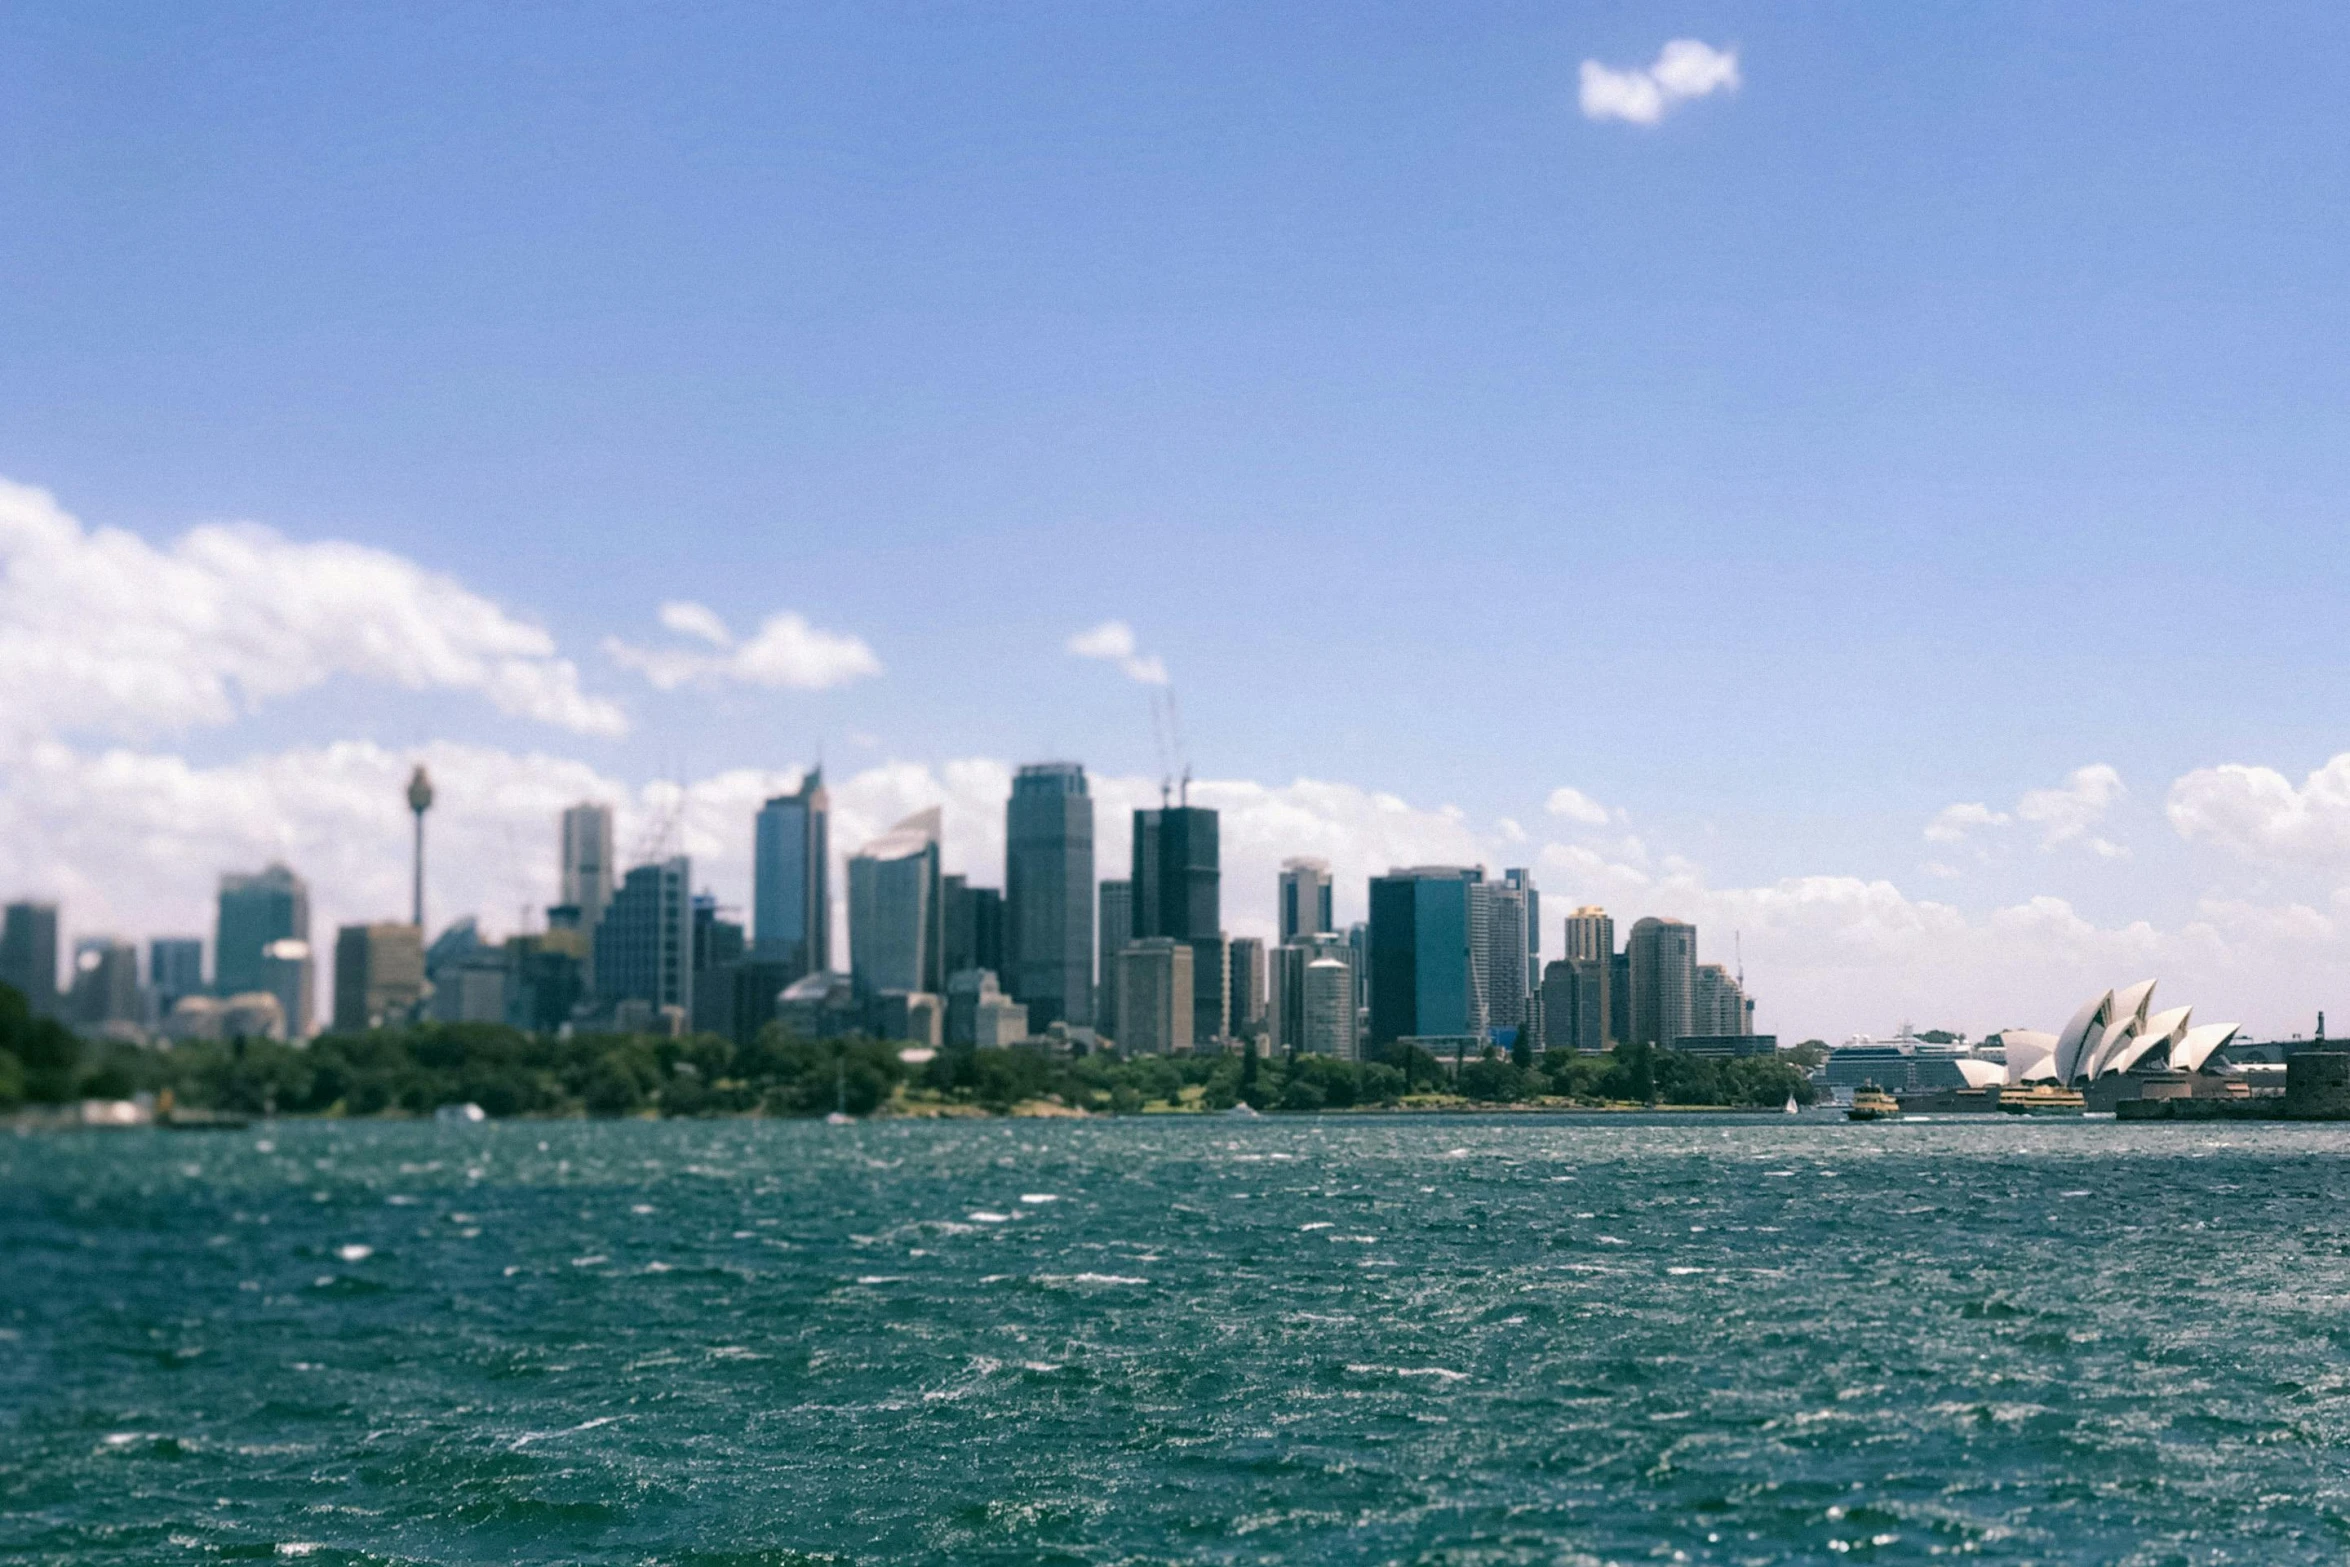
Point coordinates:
[(1951, 406)]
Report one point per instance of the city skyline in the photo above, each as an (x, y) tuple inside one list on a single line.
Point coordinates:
[(584, 451)]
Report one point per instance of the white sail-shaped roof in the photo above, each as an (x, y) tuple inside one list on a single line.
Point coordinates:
[(1980, 1074), (2190, 1053), (2030, 1054), (2131, 1003), (2155, 1041), (2086, 1028), (2118, 1033)]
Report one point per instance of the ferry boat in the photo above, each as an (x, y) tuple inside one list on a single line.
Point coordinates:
[(1871, 1103), (2042, 1099)]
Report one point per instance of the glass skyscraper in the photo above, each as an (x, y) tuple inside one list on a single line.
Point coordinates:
[(791, 890), (1048, 894)]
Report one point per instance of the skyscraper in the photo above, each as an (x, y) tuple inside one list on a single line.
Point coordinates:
[(587, 869), (1178, 893), (1506, 953), (1329, 1009), (1523, 879), (1590, 933), (974, 927), (28, 954), (1305, 899), (1663, 954), (1244, 958), (175, 968), (645, 943), (262, 942), (897, 938), (791, 888), (1285, 985), (1114, 929), (379, 976), (1048, 894), (1423, 969)]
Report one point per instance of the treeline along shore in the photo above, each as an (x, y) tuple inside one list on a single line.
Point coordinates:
[(508, 1072)]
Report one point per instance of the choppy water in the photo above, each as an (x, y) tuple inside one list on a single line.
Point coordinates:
[(1345, 1340)]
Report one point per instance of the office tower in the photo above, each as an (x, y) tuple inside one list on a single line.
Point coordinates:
[(28, 954), (1663, 955), (1358, 937), (1575, 1005), (1048, 894), (1285, 985), (587, 862), (644, 945), (1155, 990), (1245, 964), (1178, 893), (791, 886), (1112, 930), (175, 968), (1590, 933), (549, 977), (979, 1015), (1423, 953), (1523, 880), (1506, 954), (1329, 1009), (1305, 899), (974, 925), (105, 983), (897, 934), (262, 943), (379, 976), (1619, 998), (719, 950)]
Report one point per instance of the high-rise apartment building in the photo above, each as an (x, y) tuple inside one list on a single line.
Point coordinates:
[(1507, 950), (175, 968), (1155, 990), (1244, 958), (1178, 892), (1718, 1004), (1048, 894), (791, 888), (1329, 1009), (1591, 933), (262, 943), (379, 976), (1575, 1005), (1424, 941), (28, 954), (1113, 929), (897, 935), (645, 944), (1663, 954), (1285, 985), (1305, 905)]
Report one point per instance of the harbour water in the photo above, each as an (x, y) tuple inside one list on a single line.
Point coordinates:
[(1344, 1339)]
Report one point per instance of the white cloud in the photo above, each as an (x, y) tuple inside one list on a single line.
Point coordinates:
[(100, 630), (1953, 822), (2066, 814), (786, 653), (1576, 806), (2257, 814), (1113, 642), (1684, 69)]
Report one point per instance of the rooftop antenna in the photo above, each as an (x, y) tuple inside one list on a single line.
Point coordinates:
[(1160, 749), (1182, 752), (1738, 946)]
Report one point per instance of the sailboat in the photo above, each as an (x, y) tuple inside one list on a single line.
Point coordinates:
[(1792, 1107)]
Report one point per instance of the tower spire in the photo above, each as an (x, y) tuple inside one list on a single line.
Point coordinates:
[(419, 802)]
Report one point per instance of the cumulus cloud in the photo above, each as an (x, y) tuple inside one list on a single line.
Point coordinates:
[(2257, 814), (1113, 642), (2066, 814), (1576, 806), (1684, 69), (1953, 822), (100, 630), (785, 654)]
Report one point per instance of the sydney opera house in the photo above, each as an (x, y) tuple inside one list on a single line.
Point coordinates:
[(2116, 1035)]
